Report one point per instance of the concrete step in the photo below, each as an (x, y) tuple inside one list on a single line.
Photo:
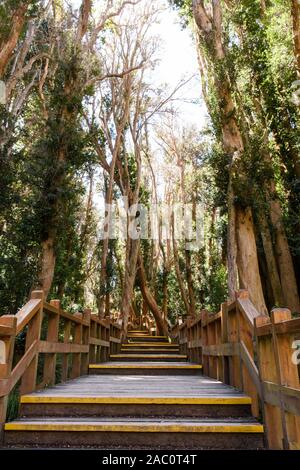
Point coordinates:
[(145, 368), (127, 433)]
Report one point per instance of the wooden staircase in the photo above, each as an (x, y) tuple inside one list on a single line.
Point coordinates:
[(138, 399)]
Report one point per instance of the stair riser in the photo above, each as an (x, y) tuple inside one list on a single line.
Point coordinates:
[(133, 410), (163, 440), (142, 371), (152, 359)]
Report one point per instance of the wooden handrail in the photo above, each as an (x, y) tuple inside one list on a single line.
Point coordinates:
[(27, 313), (252, 352), (84, 336)]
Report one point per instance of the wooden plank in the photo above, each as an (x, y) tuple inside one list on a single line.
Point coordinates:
[(100, 321), (287, 373), (114, 340), (248, 310), (65, 358), (285, 327), (228, 349), (99, 342), (62, 348), (75, 319), (22, 366), (251, 367), (27, 313), (33, 334), (6, 330), (52, 337), (197, 343), (287, 397), (268, 373), (5, 368), (76, 358)]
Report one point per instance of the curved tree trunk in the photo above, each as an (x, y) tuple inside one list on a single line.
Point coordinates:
[(132, 249), (273, 274), (149, 299), (210, 30), (285, 261), (249, 274), (8, 45)]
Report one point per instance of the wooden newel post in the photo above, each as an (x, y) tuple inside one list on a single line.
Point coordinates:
[(52, 337), (268, 374), (8, 324), (224, 336), (287, 375), (28, 384), (76, 357), (86, 341)]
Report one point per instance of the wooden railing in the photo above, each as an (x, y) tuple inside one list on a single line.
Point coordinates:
[(256, 354), (51, 333)]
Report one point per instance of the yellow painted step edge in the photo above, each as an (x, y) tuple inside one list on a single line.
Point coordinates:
[(157, 345), (146, 336), (157, 350), (138, 400), (148, 356), (205, 428), (143, 366)]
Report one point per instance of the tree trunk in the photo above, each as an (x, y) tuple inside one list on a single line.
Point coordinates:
[(178, 274), (48, 260), (149, 299), (285, 261), (8, 45), (295, 10), (249, 274), (271, 261), (210, 31), (132, 249), (190, 283)]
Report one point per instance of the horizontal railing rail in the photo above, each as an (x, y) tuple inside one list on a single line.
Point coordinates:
[(79, 339), (256, 354)]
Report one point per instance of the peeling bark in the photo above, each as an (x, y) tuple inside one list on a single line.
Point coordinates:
[(8, 45)]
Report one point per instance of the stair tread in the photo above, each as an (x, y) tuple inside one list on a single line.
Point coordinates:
[(149, 356), (216, 400), (137, 424), (145, 365), (140, 386)]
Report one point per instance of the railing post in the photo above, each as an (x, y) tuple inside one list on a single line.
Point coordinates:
[(268, 373), (287, 375), (7, 343), (235, 368), (205, 360), (76, 360), (65, 357), (224, 336), (86, 341), (246, 335), (52, 337), (28, 384)]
